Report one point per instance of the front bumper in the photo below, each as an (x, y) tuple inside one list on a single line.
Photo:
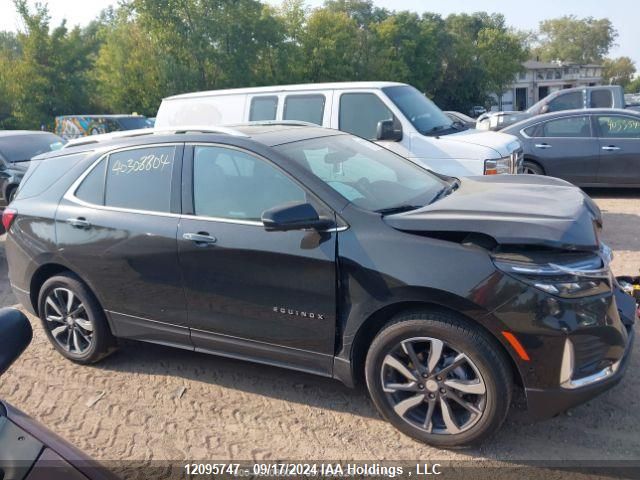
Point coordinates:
[(549, 402)]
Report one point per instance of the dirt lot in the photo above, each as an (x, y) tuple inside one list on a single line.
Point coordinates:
[(236, 410)]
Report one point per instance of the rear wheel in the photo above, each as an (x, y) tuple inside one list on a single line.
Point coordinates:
[(438, 379), (532, 168), (73, 320)]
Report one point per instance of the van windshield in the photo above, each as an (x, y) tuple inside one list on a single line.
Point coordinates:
[(366, 174), (423, 114)]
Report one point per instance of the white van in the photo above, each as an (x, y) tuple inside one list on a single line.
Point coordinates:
[(394, 114)]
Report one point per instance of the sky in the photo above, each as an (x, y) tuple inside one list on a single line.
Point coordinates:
[(519, 14)]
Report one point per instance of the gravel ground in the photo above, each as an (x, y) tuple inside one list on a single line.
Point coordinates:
[(149, 402)]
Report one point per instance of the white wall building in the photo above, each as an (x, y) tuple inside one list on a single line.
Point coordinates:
[(539, 79)]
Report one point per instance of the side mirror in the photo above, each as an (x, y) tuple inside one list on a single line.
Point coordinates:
[(294, 216), (15, 336), (386, 131)]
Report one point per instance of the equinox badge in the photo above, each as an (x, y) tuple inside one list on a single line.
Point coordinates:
[(298, 313)]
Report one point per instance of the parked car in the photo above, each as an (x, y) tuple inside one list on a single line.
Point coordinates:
[(16, 149), (395, 114), (317, 250), (604, 96), (477, 110), (461, 118), (596, 147), (28, 450), (75, 126)]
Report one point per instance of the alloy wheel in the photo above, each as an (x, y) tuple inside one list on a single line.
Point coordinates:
[(529, 171), (68, 321), (433, 387)]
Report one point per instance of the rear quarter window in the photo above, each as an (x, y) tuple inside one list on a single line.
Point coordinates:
[(42, 174)]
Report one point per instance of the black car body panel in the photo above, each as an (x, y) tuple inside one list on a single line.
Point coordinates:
[(306, 299), (552, 214)]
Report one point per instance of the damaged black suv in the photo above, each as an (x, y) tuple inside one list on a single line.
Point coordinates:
[(315, 250)]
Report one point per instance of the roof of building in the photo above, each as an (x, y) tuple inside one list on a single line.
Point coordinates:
[(535, 64)]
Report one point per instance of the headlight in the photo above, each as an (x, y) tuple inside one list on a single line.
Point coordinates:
[(497, 167), (573, 279)]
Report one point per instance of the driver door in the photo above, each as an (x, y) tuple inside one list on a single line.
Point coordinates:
[(264, 296)]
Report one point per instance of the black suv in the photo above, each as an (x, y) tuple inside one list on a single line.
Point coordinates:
[(312, 249)]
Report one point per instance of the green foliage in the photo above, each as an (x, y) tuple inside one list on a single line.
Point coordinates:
[(579, 40), (618, 71), (132, 56), (633, 86)]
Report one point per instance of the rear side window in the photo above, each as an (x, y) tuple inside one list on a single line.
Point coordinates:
[(306, 108), (263, 108), (601, 99), (361, 112), (91, 189), (567, 101), (140, 179), (618, 127), (42, 174)]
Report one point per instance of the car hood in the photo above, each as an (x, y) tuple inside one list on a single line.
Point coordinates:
[(513, 209), (502, 143)]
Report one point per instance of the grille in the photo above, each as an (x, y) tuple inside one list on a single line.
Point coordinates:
[(589, 355)]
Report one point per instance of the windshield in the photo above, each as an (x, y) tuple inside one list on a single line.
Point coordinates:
[(423, 114), (20, 148), (365, 173), (133, 123)]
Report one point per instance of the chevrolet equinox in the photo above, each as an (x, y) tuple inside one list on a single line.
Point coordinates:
[(316, 250)]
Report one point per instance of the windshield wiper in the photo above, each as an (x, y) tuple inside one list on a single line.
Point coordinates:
[(398, 209), (449, 189)]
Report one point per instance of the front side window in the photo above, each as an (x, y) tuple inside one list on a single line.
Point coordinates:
[(566, 101), (361, 112), (618, 127), (364, 173), (423, 114), (306, 108), (601, 99), (232, 184), (566, 127), (140, 179), (263, 108)]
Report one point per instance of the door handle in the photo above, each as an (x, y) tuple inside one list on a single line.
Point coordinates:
[(79, 222), (201, 238), (543, 145), (610, 148)]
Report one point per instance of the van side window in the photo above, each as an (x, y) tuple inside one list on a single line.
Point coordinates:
[(263, 108), (140, 179), (601, 99), (231, 184), (91, 190), (306, 108), (361, 112)]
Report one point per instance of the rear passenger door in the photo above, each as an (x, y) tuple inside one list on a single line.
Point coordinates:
[(116, 227), (619, 140), (565, 148), (265, 296)]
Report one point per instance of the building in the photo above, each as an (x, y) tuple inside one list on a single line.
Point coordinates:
[(539, 79)]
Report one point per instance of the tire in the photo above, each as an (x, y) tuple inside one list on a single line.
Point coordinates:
[(480, 366), (87, 338), (532, 168)]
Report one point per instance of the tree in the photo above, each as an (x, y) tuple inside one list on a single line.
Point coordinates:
[(633, 86), (501, 54), (618, 71), (328, 45), (579, 40)]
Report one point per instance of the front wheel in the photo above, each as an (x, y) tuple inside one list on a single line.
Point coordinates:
[(530, 168), (439, 379)]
